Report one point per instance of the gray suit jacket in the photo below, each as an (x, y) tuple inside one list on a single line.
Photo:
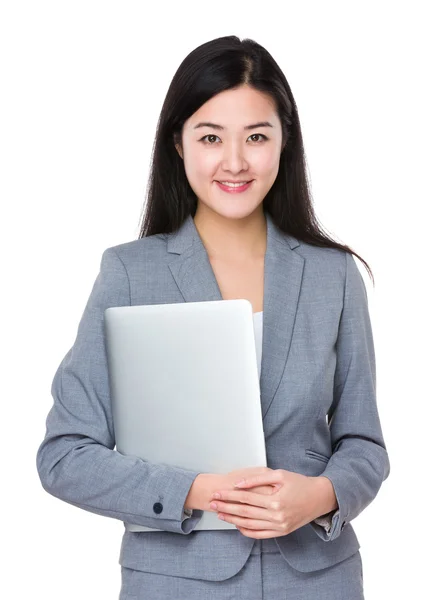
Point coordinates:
[(318, 396)]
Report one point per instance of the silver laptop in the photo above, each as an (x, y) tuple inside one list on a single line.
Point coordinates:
[(185, 388)]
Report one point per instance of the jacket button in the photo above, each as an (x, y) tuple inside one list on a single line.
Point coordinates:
[(158, 507)]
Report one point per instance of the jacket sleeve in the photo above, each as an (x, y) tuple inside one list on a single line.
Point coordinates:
[(325, 521), (76, 461), (359, 463)]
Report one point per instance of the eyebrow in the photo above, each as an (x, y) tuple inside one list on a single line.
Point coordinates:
[(247, 127)]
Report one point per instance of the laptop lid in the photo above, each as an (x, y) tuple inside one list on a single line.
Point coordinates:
[(184, 387)]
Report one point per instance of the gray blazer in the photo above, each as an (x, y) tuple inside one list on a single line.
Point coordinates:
[(318, 397)]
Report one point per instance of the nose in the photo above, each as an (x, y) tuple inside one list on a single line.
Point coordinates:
[(234, 159)]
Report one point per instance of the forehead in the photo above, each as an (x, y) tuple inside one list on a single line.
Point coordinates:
[(236, 108)]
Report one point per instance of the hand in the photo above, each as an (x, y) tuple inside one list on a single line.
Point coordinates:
[(231, 478), (296, 500), (206, 483)]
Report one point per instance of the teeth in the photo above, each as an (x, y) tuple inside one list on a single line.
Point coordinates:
[(239, 184)]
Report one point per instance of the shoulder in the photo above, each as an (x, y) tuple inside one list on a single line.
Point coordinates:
[(332, 261), (333, 266), (138, 251)]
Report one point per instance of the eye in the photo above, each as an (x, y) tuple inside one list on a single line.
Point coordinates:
[(212, 135), (259, 134)]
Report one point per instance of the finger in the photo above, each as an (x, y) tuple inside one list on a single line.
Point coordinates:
[(251, 524), (243, 497), (276, 487), (258, 534), (267, 490), (270, 477), (244, 511)]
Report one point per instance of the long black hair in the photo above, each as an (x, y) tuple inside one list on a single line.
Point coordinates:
[(215, 66)]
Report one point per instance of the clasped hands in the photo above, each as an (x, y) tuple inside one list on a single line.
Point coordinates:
[(272, 502)]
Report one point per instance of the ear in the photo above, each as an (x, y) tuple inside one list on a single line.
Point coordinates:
[(177, 143), (179, 150), (284, 141)]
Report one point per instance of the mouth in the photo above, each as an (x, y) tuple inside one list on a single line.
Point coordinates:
[(234, 187)]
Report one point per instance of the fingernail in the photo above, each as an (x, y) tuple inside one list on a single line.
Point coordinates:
[(239, 483), (216, 496)]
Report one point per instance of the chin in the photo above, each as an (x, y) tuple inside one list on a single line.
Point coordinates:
[(235, 212)]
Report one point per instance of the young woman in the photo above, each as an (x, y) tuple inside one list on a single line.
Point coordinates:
[(229, 215)]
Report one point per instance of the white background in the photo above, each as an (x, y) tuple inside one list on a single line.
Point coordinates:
[(82, 88)]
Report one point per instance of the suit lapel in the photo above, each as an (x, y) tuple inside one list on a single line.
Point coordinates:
[(196, 280)]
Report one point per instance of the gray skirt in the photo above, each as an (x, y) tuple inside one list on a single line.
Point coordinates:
[(266, 575)]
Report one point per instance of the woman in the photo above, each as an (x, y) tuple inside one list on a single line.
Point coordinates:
[(229, 215)]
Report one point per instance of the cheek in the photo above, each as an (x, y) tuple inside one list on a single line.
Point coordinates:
[(267, 165), (200, 166), (267, 161)]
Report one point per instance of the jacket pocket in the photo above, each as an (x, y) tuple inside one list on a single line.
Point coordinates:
[(317, 455)]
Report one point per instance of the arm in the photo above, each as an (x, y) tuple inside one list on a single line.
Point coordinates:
[(76, 461), (359, 463)]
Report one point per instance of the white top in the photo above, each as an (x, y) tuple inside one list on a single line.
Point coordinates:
[(258, 331)]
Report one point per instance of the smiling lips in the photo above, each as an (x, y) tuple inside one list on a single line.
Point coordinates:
[(234, 187)]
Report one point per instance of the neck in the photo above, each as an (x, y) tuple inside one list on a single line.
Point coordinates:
[(232, 239)]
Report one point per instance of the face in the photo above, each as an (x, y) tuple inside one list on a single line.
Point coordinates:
[(242, 143)]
